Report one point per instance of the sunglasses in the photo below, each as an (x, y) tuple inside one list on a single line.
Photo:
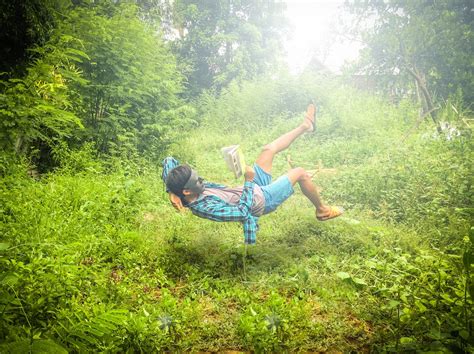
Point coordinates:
[(193, 181)]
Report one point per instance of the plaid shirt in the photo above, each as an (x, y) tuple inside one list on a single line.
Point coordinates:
[(214, 208)]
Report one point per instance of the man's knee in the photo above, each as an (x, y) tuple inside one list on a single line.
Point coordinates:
[(301, 172), (298, 174)]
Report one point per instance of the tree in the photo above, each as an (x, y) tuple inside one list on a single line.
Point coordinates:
[(224, 40), (131, 99), (104, 77), (426, 42), (24, 25), (37, 110)]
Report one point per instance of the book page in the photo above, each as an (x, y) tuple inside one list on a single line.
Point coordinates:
[(234, 159)]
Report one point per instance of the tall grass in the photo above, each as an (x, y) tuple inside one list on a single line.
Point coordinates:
[(93, 257)]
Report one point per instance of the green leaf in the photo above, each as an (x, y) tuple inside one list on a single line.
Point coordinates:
[(447, 298), (420, 306), (9, 279), (370, 264), (464, 334), (47, 346), (78, 53), (406, 340), (20, 346), (343, 275), (41, 346), (393, 303), (359, 281), (4, 246)]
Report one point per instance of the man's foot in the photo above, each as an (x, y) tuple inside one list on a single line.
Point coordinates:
[(309, 118), (329, 212)]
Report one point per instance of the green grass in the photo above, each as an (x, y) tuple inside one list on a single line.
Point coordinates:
[(100, 261)]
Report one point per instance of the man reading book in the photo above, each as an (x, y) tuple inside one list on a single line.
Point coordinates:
[(258, 196)]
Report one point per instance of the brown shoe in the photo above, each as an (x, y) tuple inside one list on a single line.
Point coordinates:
[(334, 212)]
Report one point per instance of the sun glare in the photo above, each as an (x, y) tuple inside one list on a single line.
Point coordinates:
[(314, 35)]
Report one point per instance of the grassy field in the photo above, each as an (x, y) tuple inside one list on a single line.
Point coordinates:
[(94, 258)]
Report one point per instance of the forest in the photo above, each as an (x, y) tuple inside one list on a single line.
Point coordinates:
[(94, 94)]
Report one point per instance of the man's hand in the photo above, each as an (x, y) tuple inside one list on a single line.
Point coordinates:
[(249, 174), (176, 201)]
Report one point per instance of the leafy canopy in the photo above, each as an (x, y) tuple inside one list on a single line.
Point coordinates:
[(131, 99), (434, 38), (226, 40)]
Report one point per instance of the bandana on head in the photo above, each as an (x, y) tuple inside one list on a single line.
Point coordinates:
[(195, 183)]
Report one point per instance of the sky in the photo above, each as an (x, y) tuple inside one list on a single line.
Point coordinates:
[(314, 23)]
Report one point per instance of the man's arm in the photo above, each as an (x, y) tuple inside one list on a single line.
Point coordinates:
[(218, 210), (176, 201), (168, 164)]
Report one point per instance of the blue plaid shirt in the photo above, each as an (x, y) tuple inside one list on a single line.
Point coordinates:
[(214, 208)]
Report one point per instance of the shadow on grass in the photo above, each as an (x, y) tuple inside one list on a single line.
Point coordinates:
[(217, 250)]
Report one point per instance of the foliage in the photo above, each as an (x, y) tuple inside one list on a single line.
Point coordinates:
[(105, 71), (83, 160), (423, 182), (275, 323), (93, 257), (433, 38), (83, 331), (37, 110), (252, 105), (24, 25), (227, 40), (404, 187), (131, 99)]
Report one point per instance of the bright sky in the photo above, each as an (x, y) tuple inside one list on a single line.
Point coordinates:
[(314, 23)]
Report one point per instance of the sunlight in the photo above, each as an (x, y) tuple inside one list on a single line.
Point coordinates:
[(313, 24), (130, 220)]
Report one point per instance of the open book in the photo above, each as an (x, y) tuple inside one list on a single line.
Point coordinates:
[(234, 159)]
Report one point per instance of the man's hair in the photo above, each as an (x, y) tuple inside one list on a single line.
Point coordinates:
[(177, 178)]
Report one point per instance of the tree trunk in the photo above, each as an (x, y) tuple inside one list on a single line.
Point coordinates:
[(419, 99), (426, 95)]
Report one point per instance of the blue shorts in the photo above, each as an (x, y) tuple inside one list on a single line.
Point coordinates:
[(275, 193)]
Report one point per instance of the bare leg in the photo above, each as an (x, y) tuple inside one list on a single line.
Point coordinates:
[(307, 187), (265, 159), (323, 211)]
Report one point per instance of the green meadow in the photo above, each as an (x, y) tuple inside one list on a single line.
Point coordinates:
[(94, 258)]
